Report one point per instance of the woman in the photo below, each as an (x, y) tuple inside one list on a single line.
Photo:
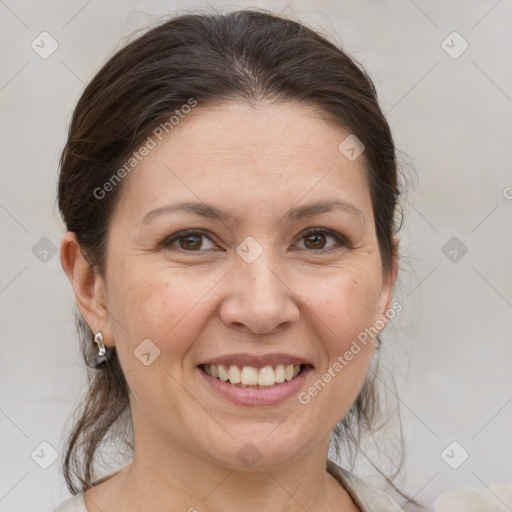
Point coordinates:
[(228, 186)]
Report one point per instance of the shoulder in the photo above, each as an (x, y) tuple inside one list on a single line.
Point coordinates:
[(367, 497), (74, 504)]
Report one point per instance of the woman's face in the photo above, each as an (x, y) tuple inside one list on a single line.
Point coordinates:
[(254, 290)]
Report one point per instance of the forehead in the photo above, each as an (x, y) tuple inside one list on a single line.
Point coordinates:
[(241, 154)]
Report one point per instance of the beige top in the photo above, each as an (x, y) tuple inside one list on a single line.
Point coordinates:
[(365, 496)]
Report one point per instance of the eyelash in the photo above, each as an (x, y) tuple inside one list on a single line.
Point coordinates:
[(342, 242)]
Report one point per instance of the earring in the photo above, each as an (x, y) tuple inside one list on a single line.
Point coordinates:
[(103, 354)]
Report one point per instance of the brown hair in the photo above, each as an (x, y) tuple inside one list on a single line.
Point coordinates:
[(243, 56)]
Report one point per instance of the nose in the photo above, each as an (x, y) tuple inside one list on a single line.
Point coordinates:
[(258, 298)]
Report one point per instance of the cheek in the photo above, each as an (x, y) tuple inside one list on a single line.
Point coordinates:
[(346, 303), (153, 303), (343, 310)]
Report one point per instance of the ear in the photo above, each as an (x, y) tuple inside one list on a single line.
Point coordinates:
[(388, 284), (88, 287)]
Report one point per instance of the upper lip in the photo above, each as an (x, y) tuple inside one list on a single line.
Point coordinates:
[(256, 361)]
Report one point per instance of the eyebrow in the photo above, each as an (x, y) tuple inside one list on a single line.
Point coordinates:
[(294, 214)]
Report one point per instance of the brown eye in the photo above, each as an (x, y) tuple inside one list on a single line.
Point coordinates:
[(190, 241), (317, 239)]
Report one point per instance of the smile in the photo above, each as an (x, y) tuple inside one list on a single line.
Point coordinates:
[(252, 377)]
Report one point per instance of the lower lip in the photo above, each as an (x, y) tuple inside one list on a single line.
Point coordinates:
[(257, 396)]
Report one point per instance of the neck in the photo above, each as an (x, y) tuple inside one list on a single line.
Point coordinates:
[(168, 475), (192, 483)]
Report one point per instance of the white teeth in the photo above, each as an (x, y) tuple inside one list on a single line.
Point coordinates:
[(234, 374), (250, 376), (223, 374), (279, 373), (266, 376)]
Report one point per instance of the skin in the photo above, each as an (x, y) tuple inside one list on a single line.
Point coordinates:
[(257, 162)]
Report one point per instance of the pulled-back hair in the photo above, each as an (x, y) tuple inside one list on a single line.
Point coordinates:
[(245, 56)]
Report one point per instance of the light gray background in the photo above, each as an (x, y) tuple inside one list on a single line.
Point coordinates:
[(450, 348)]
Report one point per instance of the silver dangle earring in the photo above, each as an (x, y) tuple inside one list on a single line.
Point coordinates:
[(103, 354)]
